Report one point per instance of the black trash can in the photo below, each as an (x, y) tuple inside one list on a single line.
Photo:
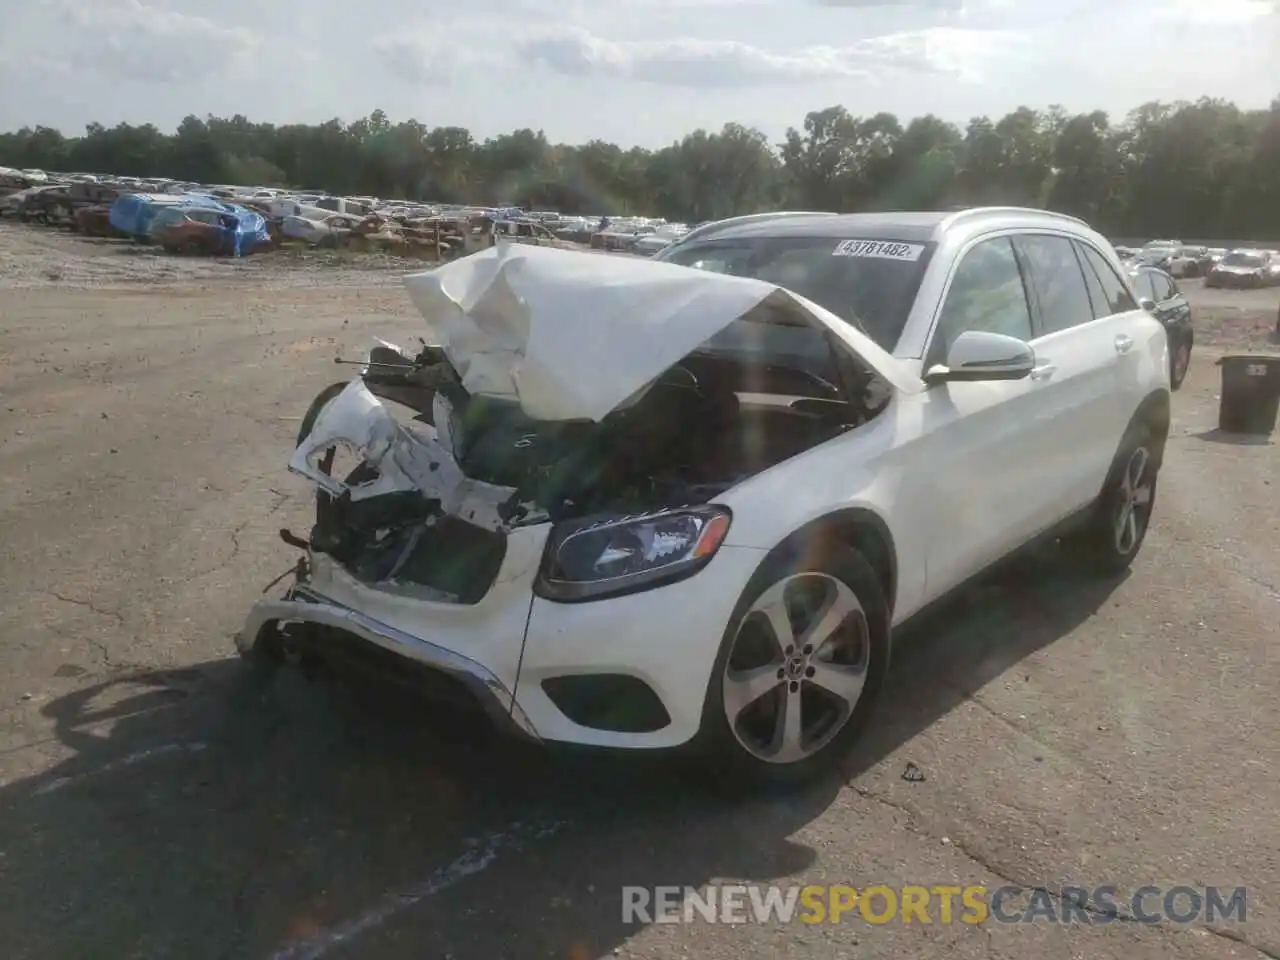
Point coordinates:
[(1250, 394)]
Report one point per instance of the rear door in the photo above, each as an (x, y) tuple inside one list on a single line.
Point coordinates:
[(1075, 399), (1133, 335)]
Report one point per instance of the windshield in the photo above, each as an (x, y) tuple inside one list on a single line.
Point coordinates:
[(1242, 260), (872, 293)]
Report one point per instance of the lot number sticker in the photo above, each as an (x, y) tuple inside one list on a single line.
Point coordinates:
[(878, 250)]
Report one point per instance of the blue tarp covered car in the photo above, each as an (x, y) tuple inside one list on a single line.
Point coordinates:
[(243, 229)]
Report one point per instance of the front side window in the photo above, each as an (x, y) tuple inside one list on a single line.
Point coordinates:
[(1165, 289), (873, 293), (1057, 281), (327, 203), (1119, 300), (986, 294)]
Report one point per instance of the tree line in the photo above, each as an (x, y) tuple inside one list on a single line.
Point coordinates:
[(1187, 169)]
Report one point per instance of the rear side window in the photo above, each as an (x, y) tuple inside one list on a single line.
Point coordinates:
[(1057, 282), (1119, 300)]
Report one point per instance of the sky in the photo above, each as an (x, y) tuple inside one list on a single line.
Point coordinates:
[(630, 71)]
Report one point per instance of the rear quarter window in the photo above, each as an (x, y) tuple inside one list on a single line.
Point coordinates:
[(1118, 297)]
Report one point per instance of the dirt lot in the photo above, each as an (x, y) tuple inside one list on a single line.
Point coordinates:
[(156, 803)]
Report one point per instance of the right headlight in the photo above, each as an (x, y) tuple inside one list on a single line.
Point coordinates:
[(608, 556)]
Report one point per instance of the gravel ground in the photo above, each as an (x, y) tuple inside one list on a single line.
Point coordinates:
[(156, 802)]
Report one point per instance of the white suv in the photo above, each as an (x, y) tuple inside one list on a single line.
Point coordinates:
[(683, 502)]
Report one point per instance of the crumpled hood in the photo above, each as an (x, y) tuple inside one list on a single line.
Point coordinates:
[(572, 335)]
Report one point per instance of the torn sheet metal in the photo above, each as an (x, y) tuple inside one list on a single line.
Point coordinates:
[(571, 335), (405, 460)]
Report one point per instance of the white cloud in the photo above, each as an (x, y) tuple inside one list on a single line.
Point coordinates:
[(1220, 11), (764, 62), (724, 63), (416, 59), (151, 44)]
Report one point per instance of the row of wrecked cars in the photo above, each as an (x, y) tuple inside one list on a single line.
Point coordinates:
[(218, 221), (314, 219)]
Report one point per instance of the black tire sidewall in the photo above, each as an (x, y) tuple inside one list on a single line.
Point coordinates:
[(1103, 557), (716, 742), (1176, 376)]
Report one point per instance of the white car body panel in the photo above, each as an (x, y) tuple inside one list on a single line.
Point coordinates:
[(490, 632), (670, 644), (959, 473)]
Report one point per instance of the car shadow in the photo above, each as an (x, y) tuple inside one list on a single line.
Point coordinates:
[(213, 812), (1236, 439)]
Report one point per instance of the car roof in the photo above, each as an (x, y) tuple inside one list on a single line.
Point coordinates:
[(908, 227), (903, 226)]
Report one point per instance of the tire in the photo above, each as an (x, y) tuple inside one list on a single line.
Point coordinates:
[(1179, 362), (1100, 549), (735, 748)]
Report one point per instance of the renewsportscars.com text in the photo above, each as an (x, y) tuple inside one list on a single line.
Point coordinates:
[(936, 904)]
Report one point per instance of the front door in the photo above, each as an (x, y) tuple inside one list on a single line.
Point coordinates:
[(976, 488)]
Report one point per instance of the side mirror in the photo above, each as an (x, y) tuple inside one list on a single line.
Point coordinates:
[(1147, 305), (978, 355)]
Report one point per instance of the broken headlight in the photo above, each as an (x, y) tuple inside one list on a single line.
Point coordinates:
[(597, 558)]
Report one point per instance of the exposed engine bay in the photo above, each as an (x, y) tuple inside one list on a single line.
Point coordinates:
[(596, 393), (443, 474)]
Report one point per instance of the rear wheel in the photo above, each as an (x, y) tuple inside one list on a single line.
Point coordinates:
[(1114, 534), (1179, 361), (800, 667)]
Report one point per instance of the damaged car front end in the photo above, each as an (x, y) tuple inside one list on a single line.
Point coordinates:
[(539, 513)]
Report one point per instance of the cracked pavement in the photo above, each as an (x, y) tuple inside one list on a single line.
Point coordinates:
[(158, 800)]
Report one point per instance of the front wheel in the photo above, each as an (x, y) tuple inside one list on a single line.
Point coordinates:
[(1114, 533), (800, 668)]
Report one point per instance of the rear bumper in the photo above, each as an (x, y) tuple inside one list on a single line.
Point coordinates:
[(302, 606)]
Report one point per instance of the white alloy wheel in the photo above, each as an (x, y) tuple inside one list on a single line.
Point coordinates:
[(797, 667), (1133, 507)]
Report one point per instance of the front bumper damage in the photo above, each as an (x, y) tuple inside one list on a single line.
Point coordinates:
[(300, 605)]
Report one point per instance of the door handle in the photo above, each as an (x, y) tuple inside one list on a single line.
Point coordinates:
[(1124, 343), (1043, 372)]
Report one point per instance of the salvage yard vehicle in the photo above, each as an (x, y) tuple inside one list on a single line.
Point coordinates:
[(95, 221), (1248, 269), (523, 231), (1159, 295), (682, 502), (329, 231), (1187, 262), (191, 230)]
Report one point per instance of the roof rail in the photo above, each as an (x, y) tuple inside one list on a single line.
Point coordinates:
[(748, 218), (974, 211)]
